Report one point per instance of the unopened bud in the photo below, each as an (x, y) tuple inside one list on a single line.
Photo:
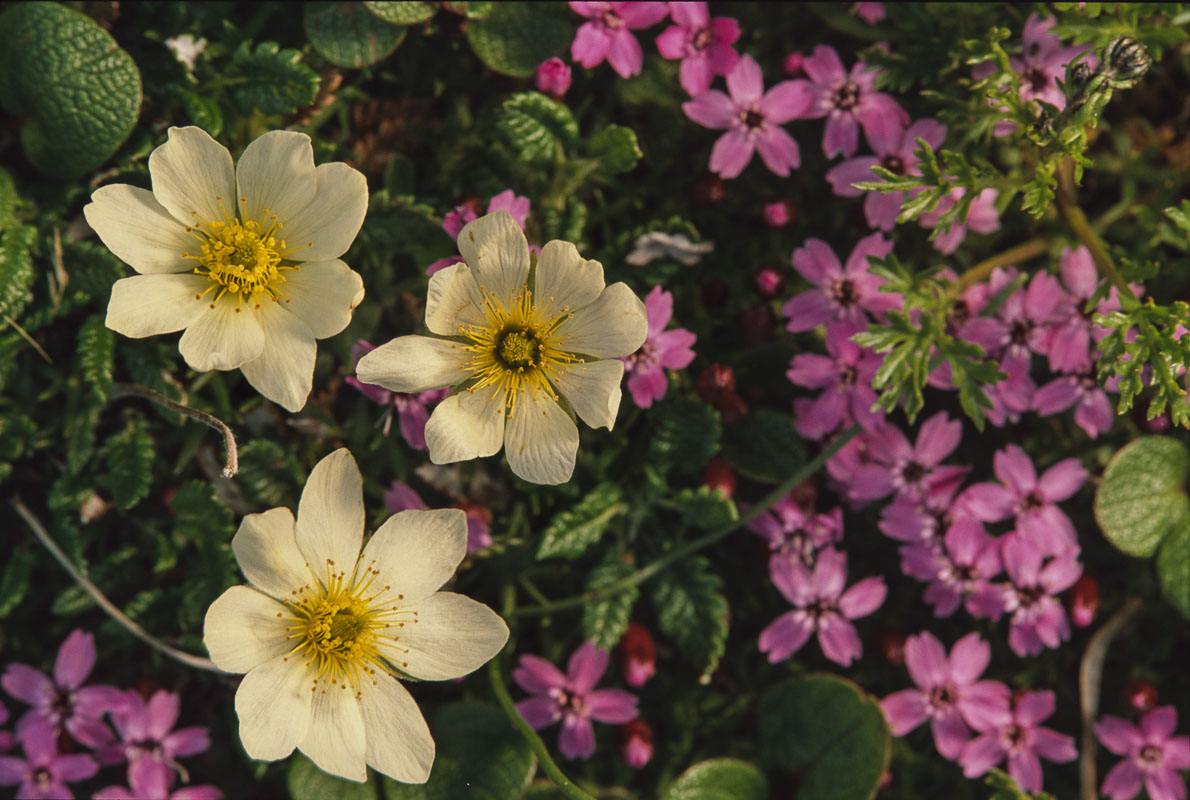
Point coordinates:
[(638, 656), (1127, 61), (637, 737), (1140, 696), (1082, 601), (718, 476)]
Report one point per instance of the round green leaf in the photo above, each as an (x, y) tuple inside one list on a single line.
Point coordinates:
[(720, 779), (348, 36), (80, 91), (480, 756), (826, 729), (1173, 566), (307, 782), (516, 37), (1141, 496), (401, 13)]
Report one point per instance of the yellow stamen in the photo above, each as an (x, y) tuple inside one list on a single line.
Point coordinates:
[(240, 257)]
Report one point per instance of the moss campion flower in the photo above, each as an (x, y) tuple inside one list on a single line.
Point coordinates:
[(528, 349), (245, 259), (323, 630)]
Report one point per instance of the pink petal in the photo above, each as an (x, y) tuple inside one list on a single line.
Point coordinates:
[(950, 734), (624, 53), (1025, 769), (536, 675), (1034, 707), (988, 502), (1165, 784), (614, 706), (938, 438), (711, 109), (731, 153), (641, 14), (696, 73), (778, 150), (690, 15), (786, 101), (806, 310), (926, 659), (824, 66), (647, 386), (1118, 735), (1159, 724), (968, 659), (1123, 782), (816, 261), (838, 639), (659, 309), (863, 598), (187, 741), (905, 710), (28, 685), (830, 573), (855, 170), (1015, 469), (745, 83), (1062, 480), (76, 658), (981, 754), (671, 43), (161, 714), (785, 636), (674, 347), (840, 135), (882, 210), (591, 43), (812, 371), (1078, 272), (588, 9), (1053, 746), (933, 131), (882, 118), (577, 739), (74, 768), (586, 667), (539, 712)]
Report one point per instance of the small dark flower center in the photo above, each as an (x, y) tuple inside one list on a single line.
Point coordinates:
[(844, 292), (847, 375), (1015, 735), (571, 702), (1037, 79), (148, 748), (42, 778), (821, 608), (753, 119), (943, 697), (1019, 332), (846, 97), (1150, 755), (1031, 502), (702, 38), (1029, 595), (913, 472), (894, 164), (964, 572), (612, 20), (63, 704)]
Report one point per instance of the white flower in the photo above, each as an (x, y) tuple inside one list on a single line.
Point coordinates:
[(186, 48), (322, 628), (652, 246), (245, 260), (523, 343)]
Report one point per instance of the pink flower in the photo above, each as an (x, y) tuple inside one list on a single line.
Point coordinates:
[(5, 736), (63, 701), (662, 350), (795, 534), (703, 44), (412, 409), (820, 606), (1038, 619), (638, 656), (443, 263), (982, 217), (779, 213), (149, 743), (846, 292), (152, 788), (42, 773), (845, 378), (752, 118), (959, 570), (1093, 412), (608, 34), (638, 743), (870, 13), (912, 471), (848, 101), (1020, 739), (895, 154), (401, 497), (1154, 755), (507, 200), (572, 698), (948, 692), (552, 76)]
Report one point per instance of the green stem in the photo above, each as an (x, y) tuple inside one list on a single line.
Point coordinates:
[(1013, 255), (1076, 220), (644, 573)]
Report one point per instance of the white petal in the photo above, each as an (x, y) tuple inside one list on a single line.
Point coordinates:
[(267, 552), (273, 704), (330, 520), (494, 247), (592, 389), (146, 305), (223, 337), (414, 364), (416, 552), (452, 636), (335, 740), (398, 740), (193, 177), (284, 370), (139, 230), (275, 174), (325, 228), (454, 299), (323, 294), (242, 630), (565, 280), (541, 441), (466, 425), (613, 326)]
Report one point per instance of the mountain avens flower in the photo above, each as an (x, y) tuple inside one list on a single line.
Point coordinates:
[(527, 351), (323, 630), (244, 259)]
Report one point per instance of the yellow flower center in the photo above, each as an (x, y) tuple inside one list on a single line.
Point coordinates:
[(517, 349), (346, 628)]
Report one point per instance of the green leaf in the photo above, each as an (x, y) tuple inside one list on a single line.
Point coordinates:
[(16, 431), (79, 92), (1180, 216), (96, 355), (8, 199), (1007, 789), (686, 437), (398, 13), (616, 148), (306, 781), (706, 508), (825, 729), (719, 779), (692, 612), (203, 111), (606, 619), (266, 474), (515, 37), (764, 446), (129, 466), (16, 269), (1141, 496), (275, 81), (1173, 566), (480, 756), (348, 36), (571, 532), (535, 126), (15, 580), (198, 516)]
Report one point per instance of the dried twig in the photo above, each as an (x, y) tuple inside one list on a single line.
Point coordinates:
[(229, 440)]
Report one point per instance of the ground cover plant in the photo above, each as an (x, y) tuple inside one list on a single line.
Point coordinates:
[(620, 400)]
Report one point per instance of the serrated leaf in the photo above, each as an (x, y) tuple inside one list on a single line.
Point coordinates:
[(515, 37), (400, 13), (692, 612), (266, 474), (16, 431), (275, 81), (835, 737), (79, 92), (606, 619), (686, 437), (306, 781), (571, 532), (96, 355), (199, 517), (1173, 566), (719, 779), (764, 446), (1142, 494), (15, 580), (1180, 216), (616, 148), (16, 269), (203, 111), (8, 199), (706, 508), (535, 126), (129, 466), (348, 36)]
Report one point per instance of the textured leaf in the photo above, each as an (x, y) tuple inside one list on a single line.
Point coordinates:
[(16, 269), (80, 93), (129, 466), (534, 126), (96, 355), (275, 80), (8, 199), (1173, 566), (16, 431), (616, 148), (567, 223), (306, 781), (1142, 494), (706, 508), (606, 619), (349, 36), (692, 612), (203, 111), (15, 580), (480, 756), (571, 532), (686, 436), (515, 37), (823, 728), (267, 475), (764, 446), (719, 779), (199, 517), (398, 13)]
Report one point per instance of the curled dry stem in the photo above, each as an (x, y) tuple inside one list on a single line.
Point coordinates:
[(229, 440)]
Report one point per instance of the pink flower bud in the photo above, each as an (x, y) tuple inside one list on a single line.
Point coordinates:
[(1140, 696), (553, 77), (780, 212), (1083, 601), (718, 475), (638, 657), (638, 743), (793, 65), (769, 282)]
